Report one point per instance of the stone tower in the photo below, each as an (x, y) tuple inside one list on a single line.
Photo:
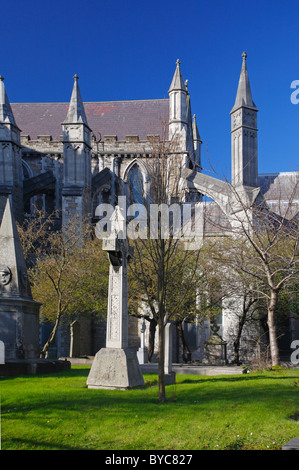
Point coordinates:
[(178, 107), (244, 134), (11, 178), (76, 191)]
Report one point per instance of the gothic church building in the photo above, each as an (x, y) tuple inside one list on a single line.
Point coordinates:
[(67, 158)]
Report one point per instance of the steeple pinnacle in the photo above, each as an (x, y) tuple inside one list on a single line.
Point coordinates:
[(195, 132), (6, 114), (177, 81), (244, 134), (244, 97), (76, 112)]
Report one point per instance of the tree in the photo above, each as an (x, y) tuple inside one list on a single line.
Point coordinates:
[(197, 298), (68, 273), (182, 296), (263, 249), (160, 260)]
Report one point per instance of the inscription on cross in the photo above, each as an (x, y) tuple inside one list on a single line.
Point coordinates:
[(119, 253)]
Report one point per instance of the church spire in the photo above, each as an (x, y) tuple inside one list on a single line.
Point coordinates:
[(76, 191), (244, 97), (244, 134), (178, 95), (177, 83), (6, 114), (76, 112)]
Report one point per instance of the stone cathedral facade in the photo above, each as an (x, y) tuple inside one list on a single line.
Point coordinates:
[(66, 158)]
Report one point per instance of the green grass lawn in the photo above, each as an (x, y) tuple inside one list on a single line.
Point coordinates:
[(57, 411)]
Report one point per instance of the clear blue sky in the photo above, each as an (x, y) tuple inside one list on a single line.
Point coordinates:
[(126, 50)]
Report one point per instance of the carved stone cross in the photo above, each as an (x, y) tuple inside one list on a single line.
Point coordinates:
[(116, 365), (117, 314)]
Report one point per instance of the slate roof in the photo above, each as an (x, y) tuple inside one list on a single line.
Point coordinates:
[(120, 118), (281, 191), (280, 186)]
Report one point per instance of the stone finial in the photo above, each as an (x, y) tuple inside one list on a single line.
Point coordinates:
[(1, 78), (177, 81), (76, 77), (196, 136), (244, 55)]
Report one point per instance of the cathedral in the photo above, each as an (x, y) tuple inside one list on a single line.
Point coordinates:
[(67, 158)]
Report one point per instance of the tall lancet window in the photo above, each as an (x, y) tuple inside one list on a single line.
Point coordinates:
[(135, 185), (26, 174)]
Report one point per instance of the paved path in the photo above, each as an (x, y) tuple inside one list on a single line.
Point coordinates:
[(191, 369), (196, 370), (178, 368)]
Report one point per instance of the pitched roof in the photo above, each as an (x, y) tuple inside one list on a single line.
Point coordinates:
[(120, 118)]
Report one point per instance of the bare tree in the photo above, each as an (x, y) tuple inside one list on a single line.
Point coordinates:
[(160, 259), (263, 250)]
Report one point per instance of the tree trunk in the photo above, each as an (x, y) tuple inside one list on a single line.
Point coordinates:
[(161, 320), (186, 353), (152, 334), (51, 337), (238, 338), (272, 329)]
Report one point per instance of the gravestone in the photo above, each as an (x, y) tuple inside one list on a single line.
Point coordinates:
[(293, 444), (142, 352), (169, 373), (215, 349), (2, 353), (75, 339), (116, 366), (19, 313)]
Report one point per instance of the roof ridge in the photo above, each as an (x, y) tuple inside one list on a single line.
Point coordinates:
[(94, 102)]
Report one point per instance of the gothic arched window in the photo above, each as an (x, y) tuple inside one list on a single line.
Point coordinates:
[(26, 170), (135, 185)]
